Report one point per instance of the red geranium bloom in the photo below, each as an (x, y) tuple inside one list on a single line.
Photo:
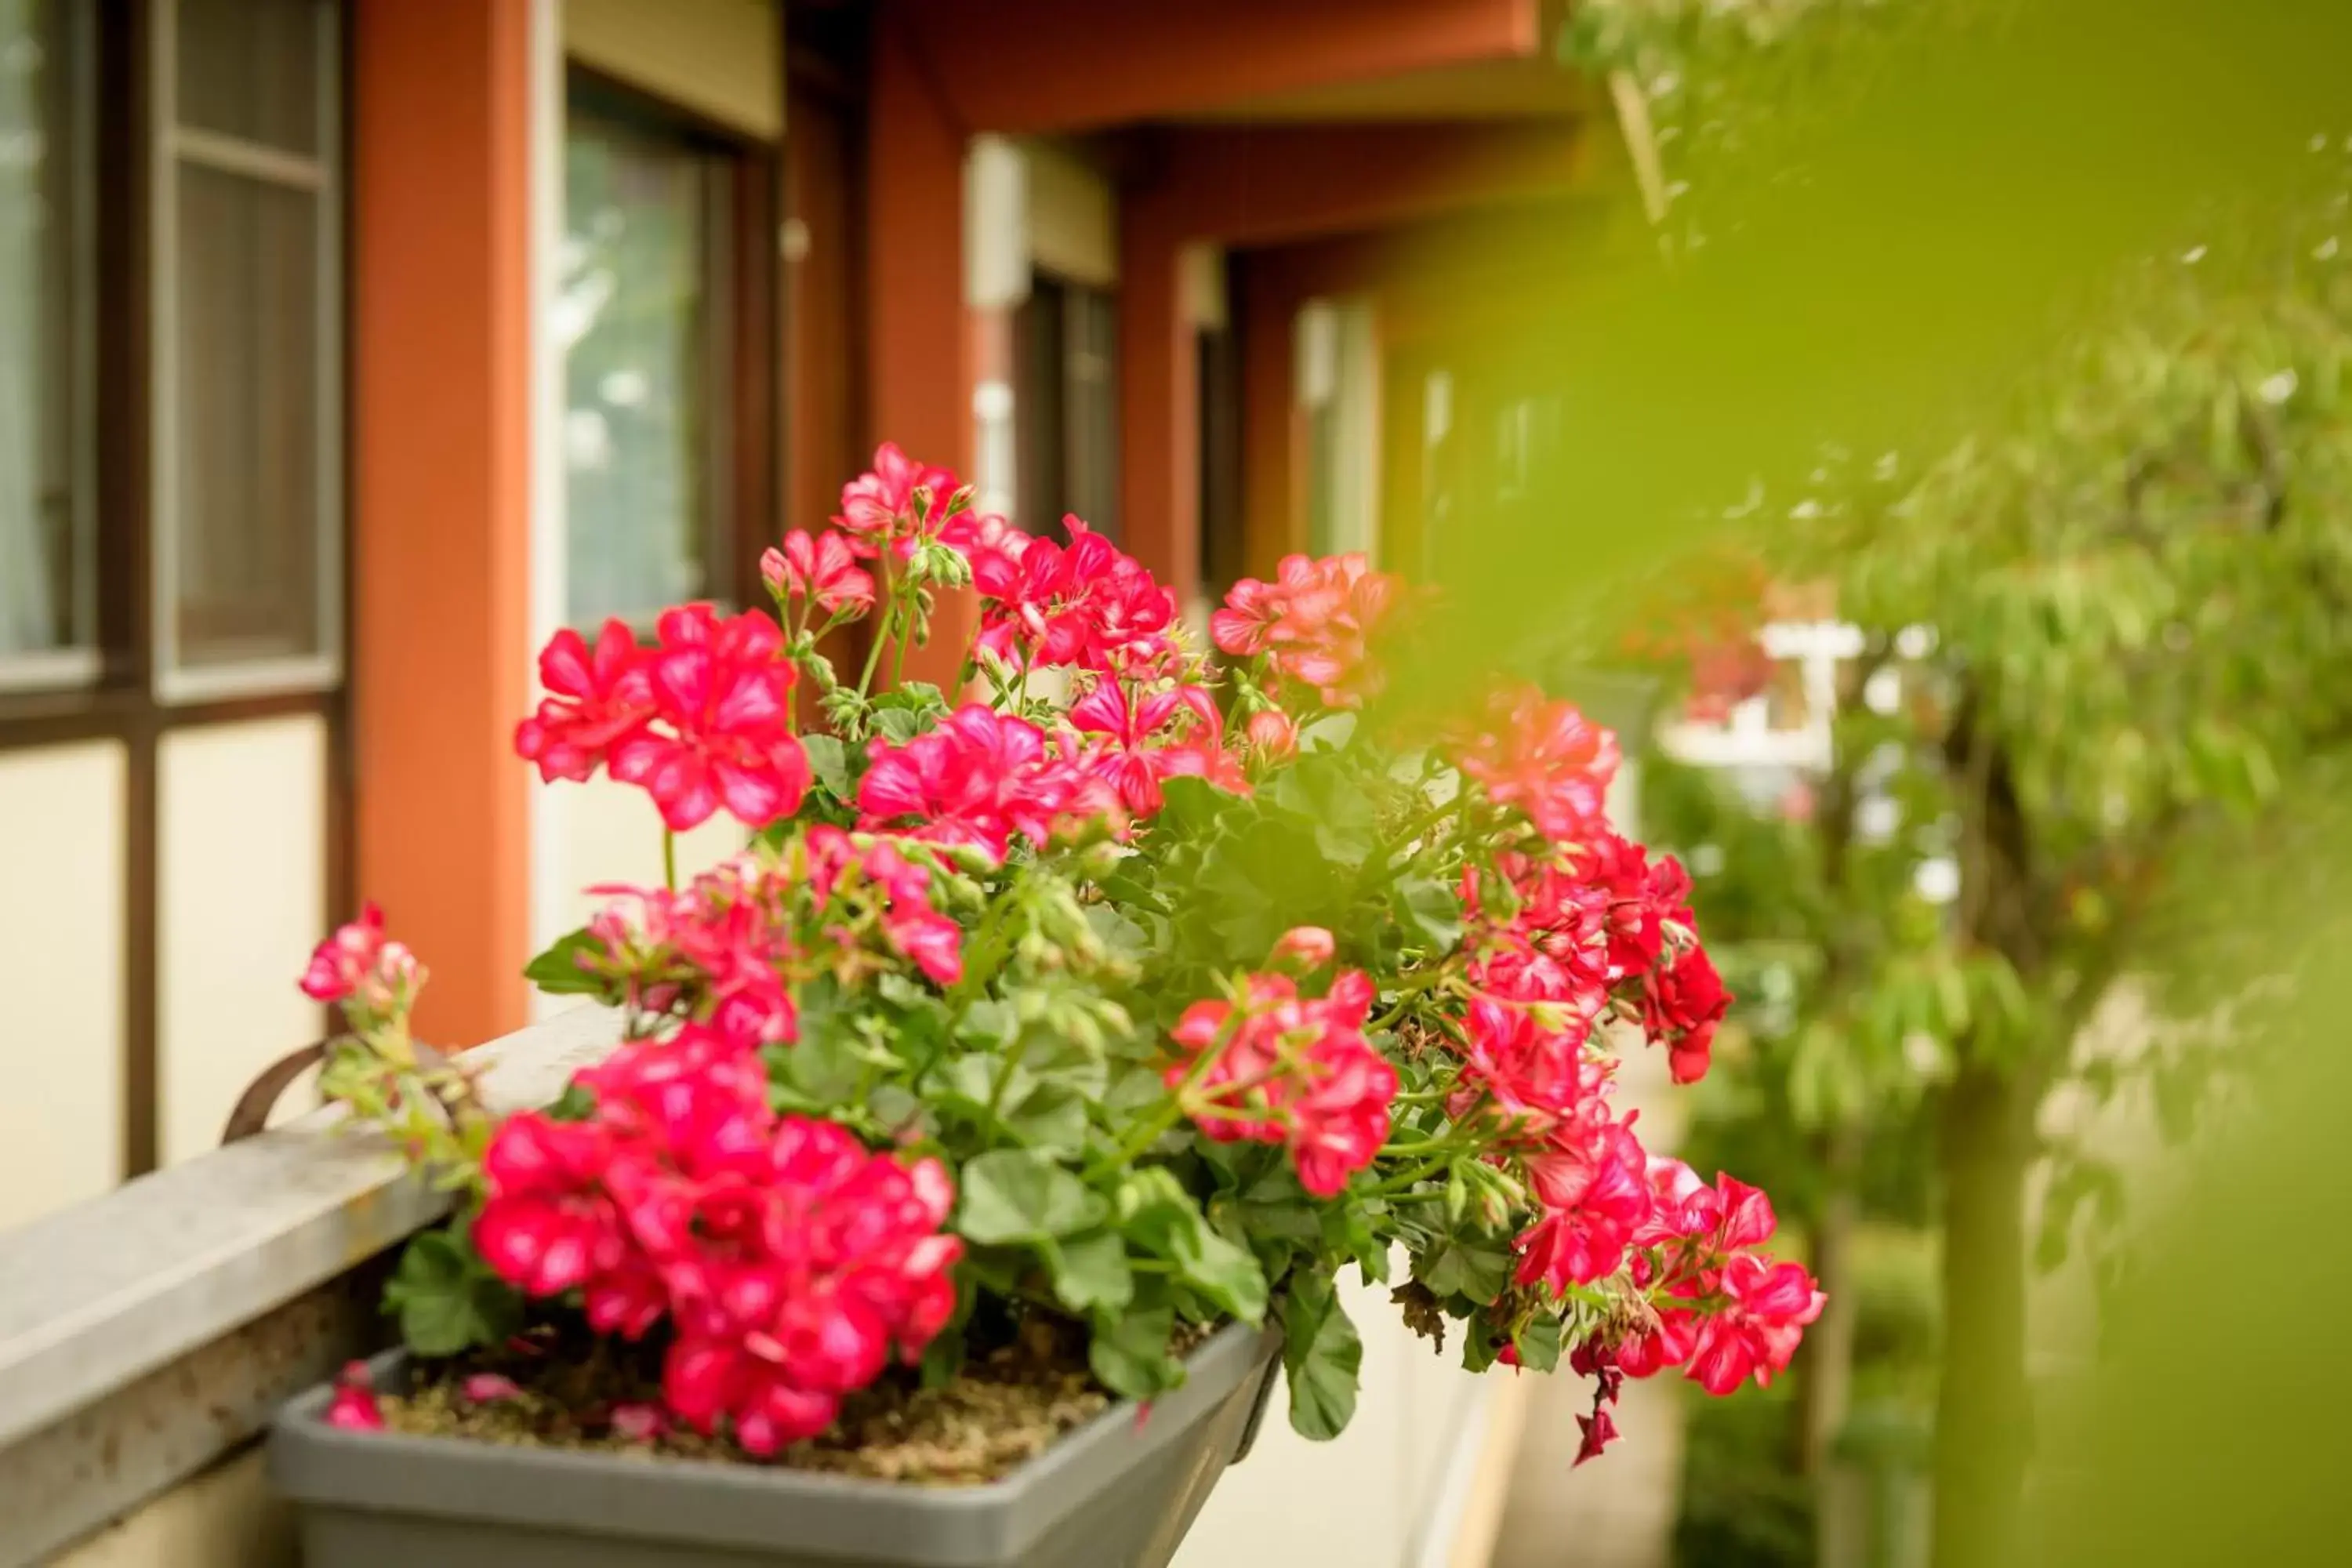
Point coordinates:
[(594, 701), (895, 504), (977, 779), (354, 1408), (822, 569), (1545, 758), (1314, 623), (1290, 1070), (793, 1264), (1591, 1181), (1681, 1005), (1755, 1330), (1089, 604), (724, 691)]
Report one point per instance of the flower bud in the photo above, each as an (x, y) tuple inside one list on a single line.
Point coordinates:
[(772, 571), (1272, 734), (1302, 949)]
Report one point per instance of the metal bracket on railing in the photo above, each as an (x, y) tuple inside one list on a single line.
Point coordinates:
[(261, 1096)]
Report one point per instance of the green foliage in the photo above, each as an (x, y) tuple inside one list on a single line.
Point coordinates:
[(558, 972), (1323, 1357), (447, 1298), (1744, 1505)]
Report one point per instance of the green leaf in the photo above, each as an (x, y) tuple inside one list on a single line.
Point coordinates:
[(900, 725), (447, 1299), (1430, 911), (906, 712), (829, 762), (1193, 804), (1465, 1264), (1538, 1343), (575, 1104), (1040, 1114), (823, 1065), (988, 1023), (557, 970), (1322, 1356), (1160, 1217), (1129, 1353), (1091, 1271), (1025, 1195)]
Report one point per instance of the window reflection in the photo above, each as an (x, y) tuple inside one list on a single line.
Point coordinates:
[(636, 317), (44, 600)]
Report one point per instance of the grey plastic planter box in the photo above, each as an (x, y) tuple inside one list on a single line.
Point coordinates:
[(1113, 1494)]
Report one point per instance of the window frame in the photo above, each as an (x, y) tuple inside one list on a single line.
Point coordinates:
[(81, 664), (1049, 410), (742, 350), (322, 173), (118, 402)]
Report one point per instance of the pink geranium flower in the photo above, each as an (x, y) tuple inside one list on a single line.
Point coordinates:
[(1088, 603), (895, 504), (1314, 624), (594, 701), (822, 569), (1290, 1070), (374, 978), (721, 695), (978, 780), (1543, 757), (353, 1408)]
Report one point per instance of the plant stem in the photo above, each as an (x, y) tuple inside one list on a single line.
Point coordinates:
[(1406, 1181), (1426, 1146), (1379, 868), (1149, 1133), (669, 860), (874, 649)]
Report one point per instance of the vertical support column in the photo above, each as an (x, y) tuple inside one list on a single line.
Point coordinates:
[(1273, 481), (1159, 400), (921, 345), (440, 493)]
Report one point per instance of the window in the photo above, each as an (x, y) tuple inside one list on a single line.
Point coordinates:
[(248, 380), (1223, 526), (1338, 381), (49, 632), (1067, 407), (646, 321)]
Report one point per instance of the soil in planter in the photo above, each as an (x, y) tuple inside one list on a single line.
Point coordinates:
[(1021, 1387)]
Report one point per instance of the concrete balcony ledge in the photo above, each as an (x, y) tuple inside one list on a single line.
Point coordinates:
[(147, 1336)]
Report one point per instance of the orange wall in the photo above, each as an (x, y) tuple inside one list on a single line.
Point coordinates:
[(1255, 187), (440, 501), (920, 341), (1063, 65)]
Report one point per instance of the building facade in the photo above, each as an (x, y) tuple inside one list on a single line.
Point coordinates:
[(350, 348)]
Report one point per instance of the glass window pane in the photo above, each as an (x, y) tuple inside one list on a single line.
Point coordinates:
[(250, 68), (244, 556), (1092, 371), (45, 603), (634, 317)]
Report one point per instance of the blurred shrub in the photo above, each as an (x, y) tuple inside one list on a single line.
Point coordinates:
[(1744, 1504)]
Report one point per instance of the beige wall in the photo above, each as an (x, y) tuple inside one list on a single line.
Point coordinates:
[(721, 58), (228, 1517), (240, 892), (1366, 1497), (602, 832), (61, 927)]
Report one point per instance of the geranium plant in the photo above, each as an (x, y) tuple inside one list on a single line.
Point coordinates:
[(1150, 1005)]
